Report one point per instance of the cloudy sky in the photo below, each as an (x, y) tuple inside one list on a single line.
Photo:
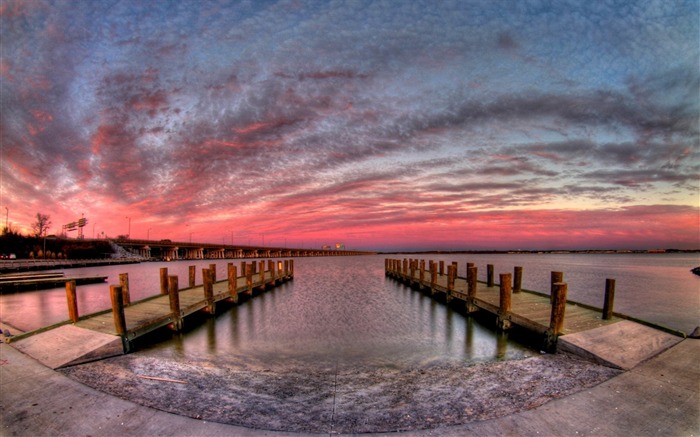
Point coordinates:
[(401, 124)]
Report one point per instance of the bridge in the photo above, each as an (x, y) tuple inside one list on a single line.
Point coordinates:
[(176, 250)]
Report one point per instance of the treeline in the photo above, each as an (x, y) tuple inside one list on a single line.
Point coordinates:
[(32, 247)]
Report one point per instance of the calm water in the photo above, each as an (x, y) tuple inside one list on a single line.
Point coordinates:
[(344, 307)]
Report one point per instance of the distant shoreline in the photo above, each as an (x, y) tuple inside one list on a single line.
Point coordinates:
[(554, 252)]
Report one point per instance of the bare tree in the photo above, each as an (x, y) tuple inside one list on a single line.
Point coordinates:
[(42, 224)]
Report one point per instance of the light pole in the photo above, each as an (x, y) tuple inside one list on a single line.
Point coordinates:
[(7, 215)]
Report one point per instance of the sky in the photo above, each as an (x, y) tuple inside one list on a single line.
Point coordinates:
[(380, 125)]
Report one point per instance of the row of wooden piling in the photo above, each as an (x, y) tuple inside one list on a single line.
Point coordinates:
[(169, 285), (407, 268)]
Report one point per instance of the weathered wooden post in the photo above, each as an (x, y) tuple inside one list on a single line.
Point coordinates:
[(517, 279), (72, 299), (468, 266), (243, 268), (442, 268), (556, 320), (163, 280), (471, 288), (262, 274), (451, 274), (489, 275), (174, 294), (249, 278), (555, 277), (192, 276), (609, 299), (271, 268), (233, 282), (280, 271), (115, 292), (286, 268), (124, 282), (505, 301), (291, 268), (208, 286), (404, 271), (412, 271), (386, 265), (421, 278), (433, 277), (212, 269)]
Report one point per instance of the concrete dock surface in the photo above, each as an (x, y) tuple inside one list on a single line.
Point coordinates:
[(659, 395)]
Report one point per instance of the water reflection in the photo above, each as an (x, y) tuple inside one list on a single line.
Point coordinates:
[(346, 309), (327, 316)]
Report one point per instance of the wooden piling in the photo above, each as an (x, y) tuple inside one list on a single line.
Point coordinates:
[(72, 298), (286, 267), (517, 279), (174, 294), (554, 278), (451, 274), (163, 280), (442, 268), (505, 301), (249, 278), (609, 299), (489, 275), (124, 282), (208, 287), (115, 292), (556, 321), (212, 269), (271, 268), (193, 276), (291, 268), (232, 282), (471, 288), (421, 270)]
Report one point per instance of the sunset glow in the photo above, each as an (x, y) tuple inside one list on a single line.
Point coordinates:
[(397, 125)]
